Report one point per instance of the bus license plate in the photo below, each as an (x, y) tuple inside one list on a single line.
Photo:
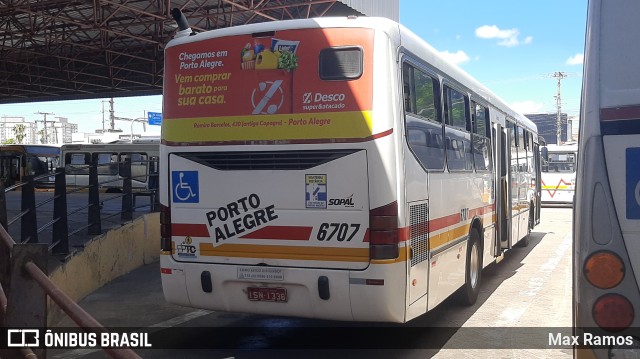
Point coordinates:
[(261, 294)]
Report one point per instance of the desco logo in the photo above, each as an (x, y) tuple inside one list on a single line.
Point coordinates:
[(320, 97)]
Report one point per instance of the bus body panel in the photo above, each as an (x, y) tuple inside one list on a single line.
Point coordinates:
[(606, 209), (316, 217), (623, 158)]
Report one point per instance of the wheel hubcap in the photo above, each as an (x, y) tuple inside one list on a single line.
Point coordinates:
[(474, 270)]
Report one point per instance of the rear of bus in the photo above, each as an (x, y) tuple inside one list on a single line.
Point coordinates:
[(559, 174), (279, 171), (607, 207)]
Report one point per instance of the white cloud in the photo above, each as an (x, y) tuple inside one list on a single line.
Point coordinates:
[(576, 59), (457, 58), (527, 106), (509, 38)]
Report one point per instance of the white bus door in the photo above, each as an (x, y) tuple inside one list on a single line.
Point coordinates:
[(503, 190)]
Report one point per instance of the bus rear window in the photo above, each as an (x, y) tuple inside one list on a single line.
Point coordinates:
[(341, 63)]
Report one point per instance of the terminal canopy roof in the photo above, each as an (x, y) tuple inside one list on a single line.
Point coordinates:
[(77, 49)]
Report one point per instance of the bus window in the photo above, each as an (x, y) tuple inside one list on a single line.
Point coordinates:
[(481, 142), (107, 163), (139, 165), (458, 139), (561, 162), (455, 112), (340, 63), (77, 163), (424, 131)]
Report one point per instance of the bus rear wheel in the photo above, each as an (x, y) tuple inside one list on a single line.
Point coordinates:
[(473, 273)]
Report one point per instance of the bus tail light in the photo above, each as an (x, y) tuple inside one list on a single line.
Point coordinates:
[(604, 270), (613, 312), (165, 228), (383, 232)]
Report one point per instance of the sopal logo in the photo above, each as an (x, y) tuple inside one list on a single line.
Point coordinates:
[(344, 202), (310, 97)]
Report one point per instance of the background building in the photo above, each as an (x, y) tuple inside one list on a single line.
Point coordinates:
[(19, 130), (548, 123)]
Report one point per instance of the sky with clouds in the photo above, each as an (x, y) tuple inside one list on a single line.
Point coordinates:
[(513, 47)]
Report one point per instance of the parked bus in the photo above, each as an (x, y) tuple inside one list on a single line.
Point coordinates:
[(17, 161), (109, 157), (606, 295), (559, 173), (300, 177)]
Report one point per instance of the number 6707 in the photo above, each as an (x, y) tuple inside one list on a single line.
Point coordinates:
[(340, 231)]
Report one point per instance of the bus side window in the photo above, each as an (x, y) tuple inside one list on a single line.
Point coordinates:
[(481, 142), (139, 164), (458, 137), (77, 163), (422, 115), (107, 163)]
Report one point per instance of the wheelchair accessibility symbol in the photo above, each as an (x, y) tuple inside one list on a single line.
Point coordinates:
[(185, 186)]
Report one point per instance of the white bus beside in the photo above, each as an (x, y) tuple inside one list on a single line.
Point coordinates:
[(144, 154), (559, 173), (606, 280), (334, 168)]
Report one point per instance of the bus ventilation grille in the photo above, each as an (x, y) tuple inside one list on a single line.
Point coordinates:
[(419, 232), (265, 160)]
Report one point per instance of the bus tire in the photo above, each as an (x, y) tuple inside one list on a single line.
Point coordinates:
[(473, 270)]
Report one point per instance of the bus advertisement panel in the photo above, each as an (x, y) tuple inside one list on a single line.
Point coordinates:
[(258, 88)]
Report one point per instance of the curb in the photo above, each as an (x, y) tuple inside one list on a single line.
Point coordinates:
[(105, 258)]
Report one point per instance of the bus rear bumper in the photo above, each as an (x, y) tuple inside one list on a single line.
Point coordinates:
[(300, 292)]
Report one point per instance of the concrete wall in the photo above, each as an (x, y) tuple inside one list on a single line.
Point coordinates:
[(106, 258)]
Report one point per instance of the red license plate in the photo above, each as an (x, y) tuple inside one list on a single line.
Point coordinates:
[(263, 294)]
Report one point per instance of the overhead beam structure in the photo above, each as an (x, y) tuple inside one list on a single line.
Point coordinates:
[(77, 49)]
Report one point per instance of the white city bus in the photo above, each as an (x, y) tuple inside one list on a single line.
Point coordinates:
[(559, 173), (607, 203), (76, 158), (334, 168)]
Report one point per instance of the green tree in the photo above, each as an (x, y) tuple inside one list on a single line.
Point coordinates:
[(20, 132), (43, 139)]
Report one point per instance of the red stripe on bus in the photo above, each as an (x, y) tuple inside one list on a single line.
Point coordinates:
[(281, 232), (189, 229), (450, 220), (620, 113), (481, 211), (281, 142), (444, 222)]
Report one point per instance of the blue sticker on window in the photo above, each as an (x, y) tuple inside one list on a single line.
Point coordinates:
[(633, 183), (185, 186)]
